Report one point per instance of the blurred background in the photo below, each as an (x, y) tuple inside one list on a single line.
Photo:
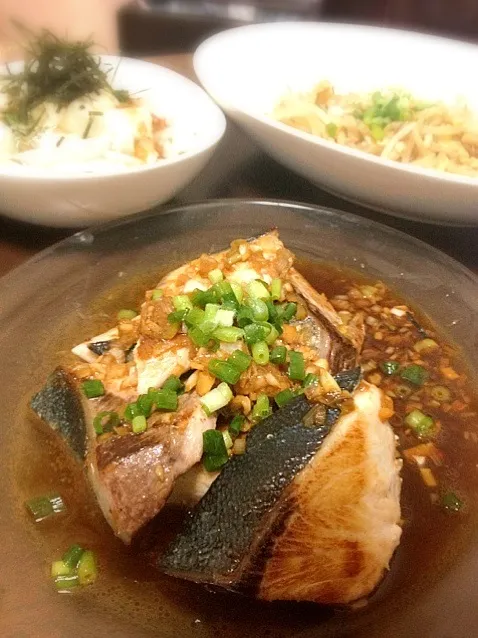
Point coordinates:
[(144, 27)]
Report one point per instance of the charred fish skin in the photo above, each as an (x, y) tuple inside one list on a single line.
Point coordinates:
[(59, 404), (223, 525)]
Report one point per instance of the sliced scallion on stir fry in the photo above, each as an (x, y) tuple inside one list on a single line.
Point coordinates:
[(77, 568), (42, 507)]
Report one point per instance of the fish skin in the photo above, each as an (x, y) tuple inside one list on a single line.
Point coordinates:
[(322, 530), (209, 556), (60, 405)]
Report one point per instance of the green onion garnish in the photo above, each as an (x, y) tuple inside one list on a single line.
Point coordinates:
[(93, 388), (173, 383), (278, 355), (139, 424), (244, 316), (422, 424), (331, 129), (240, 360), (228, 442), (257, 290), (276, 289), (226, 293), (310, 380), (238, 291), (198, 337), (68, 581), (72, 556), (126, 314), (261, 408), (236, 424), (157, 294), (259, 309), (296, 366), (224, 371), (194, 317), (272, 336), (289, 311), (255, 332), (284, 397), (202, 297), (215, 276), (260, 352), (177, 316), (105, 421), (228, 335), (216, 398), (414, 374), (451, 502), (131, 411), (165, 399), (145, 404), (58, 568), (45, 506), (389, 367), (87, 569), (225, 318), (182, 302), (215, 451)]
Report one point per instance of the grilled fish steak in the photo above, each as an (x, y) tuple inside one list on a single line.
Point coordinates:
[(307, 513)]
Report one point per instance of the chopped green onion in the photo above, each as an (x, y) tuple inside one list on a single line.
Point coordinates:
[(402, 391), (272, 336), (72, 556), (273, 312), (255, 332), (227, 439), (414, 374), (296, 366), (139, 424), (377, 132), (165, 399), (210, 313), (260, 352), (132, 410), (228, 335), (276, 289), (289, 311), (87, 569), (226, 293), (238, 291), (278, 355), (105, 421), (225, 318), (58, 568), (216, 398), (157, 294), (257, 290), (262, 408), (451, 502), (182, 302), (240, 360), (215, 451), (310, 380), (173, 383), (244, 316), (389, 367), (126, 314), (440, 393), (284, 397), (203, 297), (224, 371), (236, 424), (422, 424), (67, 582), (145, 404), (331, 129), (177, 316), (93, 388), (194, 317), (43, 507), (215, 276), (198, 337), (259, 309)]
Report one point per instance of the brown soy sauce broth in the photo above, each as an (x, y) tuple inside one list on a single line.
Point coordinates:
[(129, 587)]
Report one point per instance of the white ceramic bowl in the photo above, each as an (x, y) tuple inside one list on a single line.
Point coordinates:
[(54, 198), (247, 70)]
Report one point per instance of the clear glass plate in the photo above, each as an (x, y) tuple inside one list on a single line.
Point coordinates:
[(51, 296)]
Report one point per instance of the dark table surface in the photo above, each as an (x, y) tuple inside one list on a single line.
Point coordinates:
[(240, 169)]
